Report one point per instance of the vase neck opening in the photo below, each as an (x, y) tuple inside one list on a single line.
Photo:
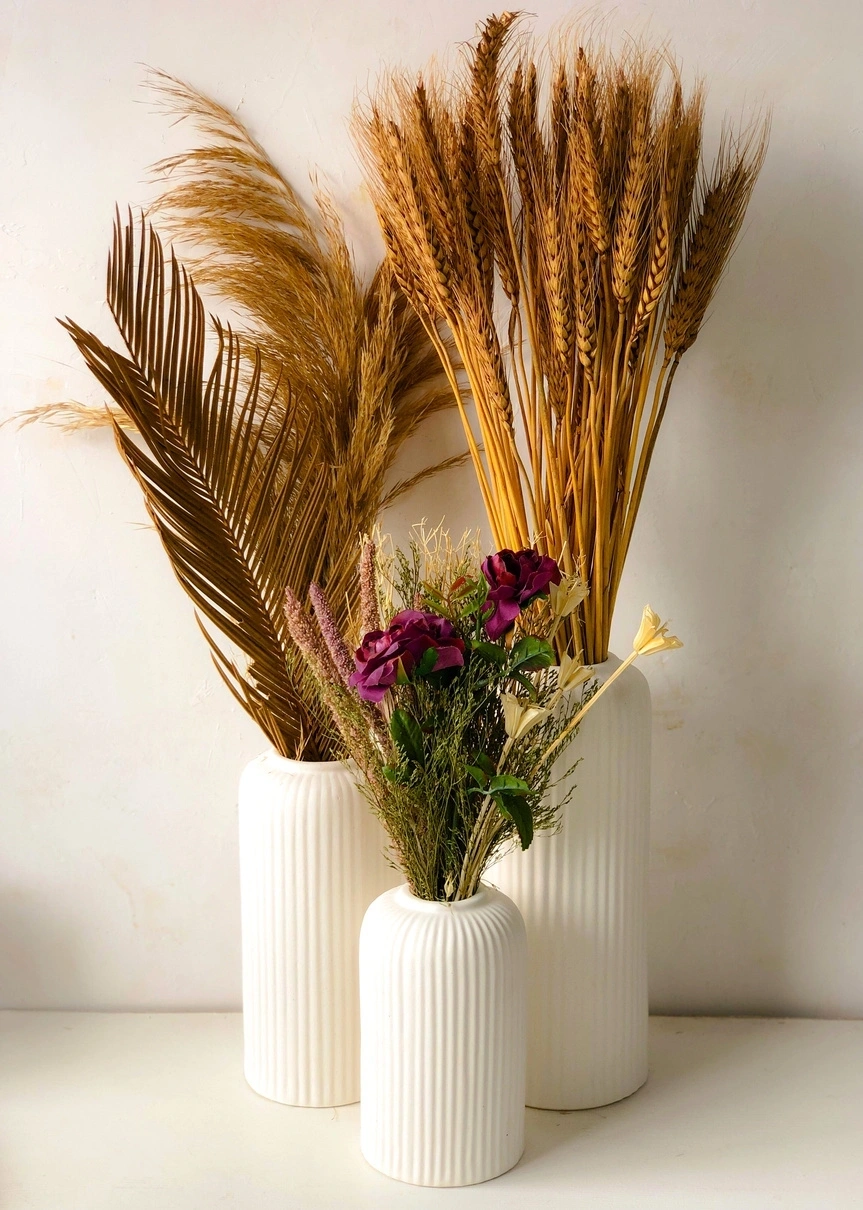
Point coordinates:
[(412, 901), (289, 764)]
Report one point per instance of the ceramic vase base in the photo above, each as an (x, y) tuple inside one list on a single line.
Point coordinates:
[(440, 1185), (295, 1101), (572, 1104)]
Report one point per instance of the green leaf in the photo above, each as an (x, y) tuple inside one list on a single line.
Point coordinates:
[(515, 808), (491, 652), (407, 737), (473, 603), (479, 776), (485, 763), (431, 592), (506, 783), (530, 653), (394, 774), (526, 684), (427, 662)]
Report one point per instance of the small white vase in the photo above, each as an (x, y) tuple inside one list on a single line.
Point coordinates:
[(583, 894), (312, 859), (442, 996)]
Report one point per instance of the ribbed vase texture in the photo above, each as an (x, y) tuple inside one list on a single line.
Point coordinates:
[(443, 1003), (582, 893), (311, 862)]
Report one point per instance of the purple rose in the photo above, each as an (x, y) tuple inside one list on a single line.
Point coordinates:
[(409, 635), (515, 578)]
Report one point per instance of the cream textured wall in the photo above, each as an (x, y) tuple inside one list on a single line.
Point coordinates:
[(119, 748)]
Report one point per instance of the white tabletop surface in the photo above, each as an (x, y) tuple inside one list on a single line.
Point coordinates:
[(150, 1112)]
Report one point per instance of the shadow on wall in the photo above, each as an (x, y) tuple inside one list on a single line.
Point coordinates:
[(754, 517), (38, 954)]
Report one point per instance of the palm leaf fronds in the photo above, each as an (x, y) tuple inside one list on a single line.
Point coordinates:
[(342, 374), (232, 496), (344, 349)]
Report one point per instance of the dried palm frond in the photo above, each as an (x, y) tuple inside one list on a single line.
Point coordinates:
[(571, 257), (231, 506), (249, 239), (346, 368), (354, 357)]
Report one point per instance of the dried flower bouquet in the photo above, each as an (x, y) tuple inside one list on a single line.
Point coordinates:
[(455, 708), (549, 211)]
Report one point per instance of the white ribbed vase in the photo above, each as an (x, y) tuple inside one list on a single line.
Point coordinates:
[(443, 1004), (582, 892), (311, 862)]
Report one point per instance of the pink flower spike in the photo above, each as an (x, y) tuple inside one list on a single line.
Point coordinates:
[(335, 643), (370, 614), (307, 639)]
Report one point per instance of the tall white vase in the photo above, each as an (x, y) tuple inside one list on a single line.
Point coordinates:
[(582, 892), (442, 992), (311, 861)]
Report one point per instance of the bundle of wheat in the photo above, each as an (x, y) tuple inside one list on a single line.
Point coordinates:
[(571, 258)]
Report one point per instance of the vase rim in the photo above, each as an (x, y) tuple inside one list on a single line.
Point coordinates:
[(609, 659), (290, 764), (406, 896)]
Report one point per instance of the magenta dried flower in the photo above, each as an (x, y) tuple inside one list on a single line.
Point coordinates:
[(515, 578), (383, 653)]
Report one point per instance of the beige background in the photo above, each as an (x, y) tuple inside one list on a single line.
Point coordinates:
[(120, 749)]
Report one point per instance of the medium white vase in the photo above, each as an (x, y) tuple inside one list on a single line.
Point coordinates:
[(311, 861), (583, 894), (443, 1007)]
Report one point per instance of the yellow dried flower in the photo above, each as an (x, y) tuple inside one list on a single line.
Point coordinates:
[(653, 636), (572, 673), (519, 717), (566, 596)]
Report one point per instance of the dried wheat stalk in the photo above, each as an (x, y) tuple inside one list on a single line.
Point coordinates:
[(560, 228)]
